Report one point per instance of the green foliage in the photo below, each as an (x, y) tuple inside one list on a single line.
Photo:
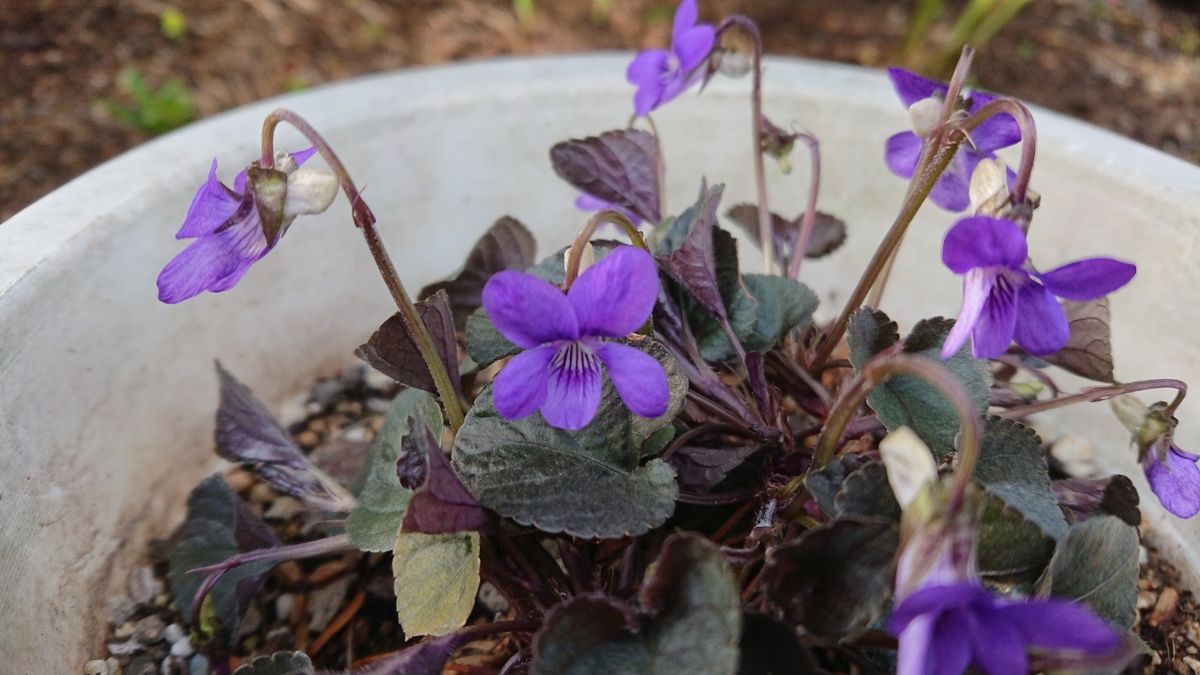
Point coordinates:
[(978, 21), (173, 24), (436, 578), (1097, 564), (154, 110), (1012, 466)]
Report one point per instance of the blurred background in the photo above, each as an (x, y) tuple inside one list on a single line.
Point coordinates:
[(83, 80)]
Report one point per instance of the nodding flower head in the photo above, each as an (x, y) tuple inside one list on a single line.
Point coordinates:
[(1172, 473), (233, 228), (661, 75), (1005, 299), (567, 338), (924, 99)]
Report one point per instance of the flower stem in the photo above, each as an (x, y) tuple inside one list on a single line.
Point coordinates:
[(923, 182), (765, 235), (1028, 129), (601, 217), (365, 220), (1097, 394), (879, 370), (810, 211)]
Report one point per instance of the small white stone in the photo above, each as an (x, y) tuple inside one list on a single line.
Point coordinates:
[(174, 633), (182, 649), (284, 604)]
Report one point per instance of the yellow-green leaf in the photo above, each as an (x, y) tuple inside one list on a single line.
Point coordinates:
[(436, 578)]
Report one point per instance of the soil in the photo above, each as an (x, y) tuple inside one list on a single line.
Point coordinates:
[(1129, 65), (341, 610)]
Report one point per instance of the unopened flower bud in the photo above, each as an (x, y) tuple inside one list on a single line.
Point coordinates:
[(1027, 390), (309, 190), (1149, 425), (925, 115), (778, 144)]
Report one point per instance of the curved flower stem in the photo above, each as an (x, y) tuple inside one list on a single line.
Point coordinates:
[(1028, 129), (365, 220), (599, 218), (694, 433), (810, 210), (881, 369), (765, 235), (309, 549), (1096, 394), (922, 183)]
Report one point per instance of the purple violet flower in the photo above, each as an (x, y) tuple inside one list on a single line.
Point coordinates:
[(923, 98), (565, 338), (1004, 299), (662, 75), (228, 228), (589, 202), (945, 628), (1175, 478)]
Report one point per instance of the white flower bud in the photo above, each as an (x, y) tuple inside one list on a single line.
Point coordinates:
[(1131, 411), (909, 463), (309, 190), (924, 115)]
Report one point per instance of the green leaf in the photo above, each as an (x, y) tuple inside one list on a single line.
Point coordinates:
[(1096, 563), (373, 524), (436, 578), (904, 400), (1009, 545), (824, 483), (693, 629), (219, 525), (587, 483), (782, 304), (485, 344), (834, 580), (866, 492), (1012, 466), (279, 663)]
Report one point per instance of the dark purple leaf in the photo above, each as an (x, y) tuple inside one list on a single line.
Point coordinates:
[(246, 430), (700, 468), (424, 658), (619, 166), (771, 647), (829, 232), (507, 245), (828, 235), (834, 579), (692, 260), (580, 626), (279, 663), (1088, 352), (442, 505), (219, 525), (391, 350), (1086, 497)]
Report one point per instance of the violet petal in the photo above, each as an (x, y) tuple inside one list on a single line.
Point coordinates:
[(197, 268), (692, 47), (952, 191), (911, 87), (1176, 482), (615, 296), (983, 241), (686, 15), (1041, 324), (1089, 278), (527, 310), (520, 388), (211, 207), (901, 153), (1060, 624), (638, 378), (932, 599), (998, 645), (977, 287), (572, 388), (994, 329)]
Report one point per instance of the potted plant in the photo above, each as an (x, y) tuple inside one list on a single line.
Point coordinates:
[(659, 446)]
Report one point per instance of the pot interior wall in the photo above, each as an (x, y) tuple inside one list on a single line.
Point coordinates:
[(107, 397)]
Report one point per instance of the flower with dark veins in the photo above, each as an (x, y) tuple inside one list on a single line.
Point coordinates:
[(661, 75), (1174, 478), (924, 98), (588, 202), (234, 228), (567, 337), (946, 628), (1005, 299)]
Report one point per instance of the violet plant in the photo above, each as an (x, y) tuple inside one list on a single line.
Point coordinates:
[(663, 463)]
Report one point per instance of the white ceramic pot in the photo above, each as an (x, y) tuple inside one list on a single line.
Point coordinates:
[(107, 397)]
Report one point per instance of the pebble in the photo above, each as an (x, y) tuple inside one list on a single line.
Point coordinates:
[(261, 493), (149, 630), (1077, 456), (379, 406), (174, 633), (239, 480), (326, 391), (355, 434), (1146, 599), (144, 584), (324, 603), (308, 439), (1164, 609), (283, 508), (377, 380), (491, 598), (142, 665), (124, 631), (1193, 664), (182, 649), (108, 666), (198, 665), (120, 609), (125, 648), (293, 410)]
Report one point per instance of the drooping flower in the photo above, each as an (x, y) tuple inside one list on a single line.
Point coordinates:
[(923, 98), (589, 202), (567, 337), (661, 75), (1175, 478), (1005, 299), (234, 228), (946, 628)]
